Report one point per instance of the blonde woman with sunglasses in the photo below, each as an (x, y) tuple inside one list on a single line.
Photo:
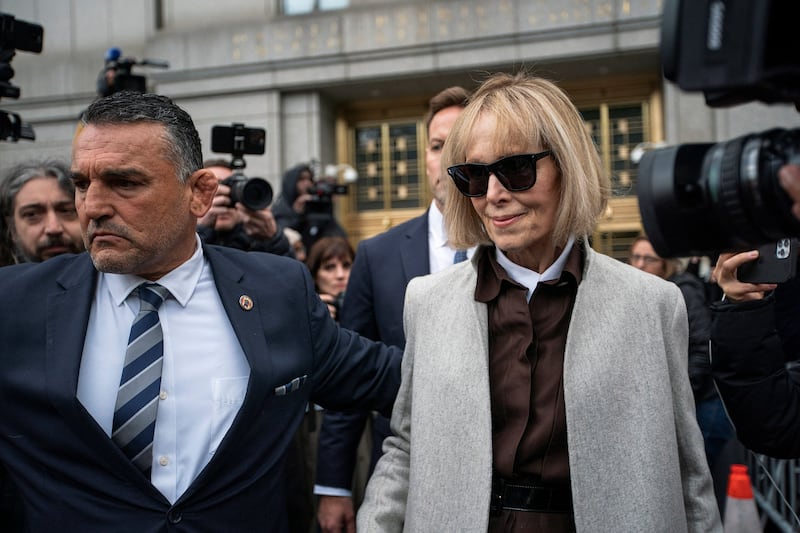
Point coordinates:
[(544, 384)]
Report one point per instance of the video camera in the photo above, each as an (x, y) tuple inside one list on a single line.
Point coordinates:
[(320, 206), (15, 35), (237, 140), (322, 193), (699, 199), (116, 75)]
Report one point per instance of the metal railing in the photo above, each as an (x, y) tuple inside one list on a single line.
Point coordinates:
[(776, 490)]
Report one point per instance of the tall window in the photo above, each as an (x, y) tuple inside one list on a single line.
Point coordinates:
[(617, 129), (299, 7), (387, 159)]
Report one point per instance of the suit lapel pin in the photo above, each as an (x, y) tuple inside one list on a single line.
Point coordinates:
[(245, 302)]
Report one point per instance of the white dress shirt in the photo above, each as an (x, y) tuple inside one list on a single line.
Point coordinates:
[(439, 250), (204, 373)]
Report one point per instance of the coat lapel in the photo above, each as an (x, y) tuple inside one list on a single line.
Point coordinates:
[(68, 308), (67, 318), (243, 304), (414, 253)]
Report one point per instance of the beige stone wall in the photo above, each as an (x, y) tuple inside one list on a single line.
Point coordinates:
[(242, 60)]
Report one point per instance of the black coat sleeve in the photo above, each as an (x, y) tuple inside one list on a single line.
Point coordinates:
[(787, 317), (699, 316), (761, 396), (278, 245), (341, 431), (239, 239)]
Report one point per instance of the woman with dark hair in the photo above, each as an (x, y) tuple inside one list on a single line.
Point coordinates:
[(330, 260)]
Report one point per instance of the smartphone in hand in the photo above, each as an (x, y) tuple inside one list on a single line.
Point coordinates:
[(776, 263)]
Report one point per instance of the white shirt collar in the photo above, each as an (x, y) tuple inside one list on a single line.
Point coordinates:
[(181, 281), (530, 279), (436, 231)]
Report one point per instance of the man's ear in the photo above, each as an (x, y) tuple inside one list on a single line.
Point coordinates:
[(203, 184)]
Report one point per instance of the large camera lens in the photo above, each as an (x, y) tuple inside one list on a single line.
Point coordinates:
[(253, 193), (699, 199)]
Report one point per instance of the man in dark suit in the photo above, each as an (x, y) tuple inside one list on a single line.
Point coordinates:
[(241, 343), (373, 307)]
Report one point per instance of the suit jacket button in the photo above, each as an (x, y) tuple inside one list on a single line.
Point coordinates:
[(174, 516)]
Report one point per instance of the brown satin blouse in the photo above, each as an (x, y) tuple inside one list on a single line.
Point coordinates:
[(526, 364)]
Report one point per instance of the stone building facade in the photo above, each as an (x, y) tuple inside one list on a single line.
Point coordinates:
[(346, 82)]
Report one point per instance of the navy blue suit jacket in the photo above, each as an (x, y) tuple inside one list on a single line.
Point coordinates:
[(74, 478), (373, 307)]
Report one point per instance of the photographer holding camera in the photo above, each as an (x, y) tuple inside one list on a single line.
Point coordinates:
[(231, 224), (755, 334), (306, 206), (117, 76), (742, 197)]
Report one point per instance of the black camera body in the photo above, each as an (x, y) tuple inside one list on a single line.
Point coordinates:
[(700, 199), (117, 75), (15, 35), (253, 193), (322, 193), (237, 139), (733, 51)]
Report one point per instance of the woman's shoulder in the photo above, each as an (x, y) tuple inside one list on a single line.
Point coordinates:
[(451, 282), (458, 271)]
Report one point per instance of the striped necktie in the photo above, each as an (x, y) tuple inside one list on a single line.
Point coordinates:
[(137, 399), (460, 255)]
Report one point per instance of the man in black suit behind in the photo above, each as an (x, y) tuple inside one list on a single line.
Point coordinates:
[(373, 307), (246, 345)]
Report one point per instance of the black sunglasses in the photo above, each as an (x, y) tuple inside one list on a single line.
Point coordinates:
[(515, 172)]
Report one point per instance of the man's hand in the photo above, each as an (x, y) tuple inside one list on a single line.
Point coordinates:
[(258, 224), (335, 514), (330, 300), (220, 204), (725, 276), (299, 205), (789, 176)]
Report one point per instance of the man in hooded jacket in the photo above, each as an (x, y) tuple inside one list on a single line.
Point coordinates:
[(306, 207)]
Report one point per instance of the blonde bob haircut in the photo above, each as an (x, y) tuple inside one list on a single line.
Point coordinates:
[(532, 114)]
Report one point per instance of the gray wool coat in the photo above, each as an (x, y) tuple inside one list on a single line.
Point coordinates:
[(635, 452)]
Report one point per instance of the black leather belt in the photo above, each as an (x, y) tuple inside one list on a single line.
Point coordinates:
[(530, 497)]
